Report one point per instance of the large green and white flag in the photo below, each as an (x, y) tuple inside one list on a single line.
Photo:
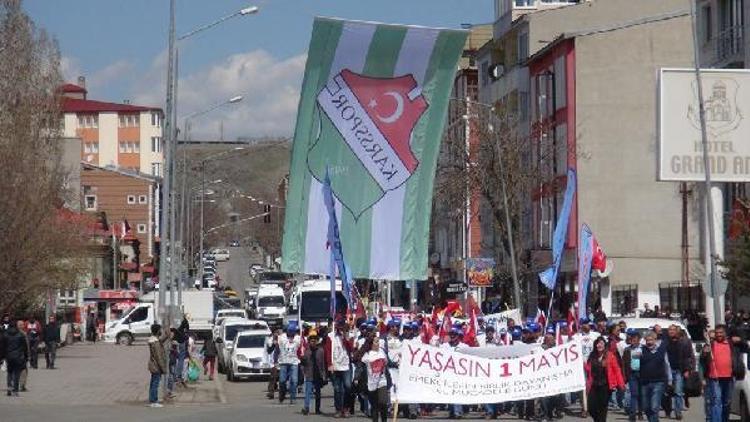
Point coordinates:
[(373, 105)]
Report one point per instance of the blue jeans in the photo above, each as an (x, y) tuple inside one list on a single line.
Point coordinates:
[(651, 393), (679, 392), (634, 406), (489, 408), (719, 398), (342, 387), (181, 354), (153, 388), (457, 409), (312, 387), (288, 372)]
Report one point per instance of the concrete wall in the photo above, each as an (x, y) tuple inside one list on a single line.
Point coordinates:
[(147, 132), (636, 219), (546, 25), (71, 161), (108, 145)]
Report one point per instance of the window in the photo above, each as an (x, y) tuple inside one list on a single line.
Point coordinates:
[(707, 25), (131, 199), (156, 169), (485, 73), (122, 148), (89, 202), (155, 144), (559, 75), (523, 105), (81, 121), (677, 297), (624, 299), (136, 147), (141, 228), (143, 199), (88, 121), (91, 148), (155, 119), (523, 47), (129, 147), (121, 121), (138, 315)]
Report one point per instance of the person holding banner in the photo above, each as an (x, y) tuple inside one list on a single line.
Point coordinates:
[(378, 378), (289, 346), (603, 375), (454, 343)]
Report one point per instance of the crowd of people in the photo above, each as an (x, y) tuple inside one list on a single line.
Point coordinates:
[(640, 374), (20, 341)]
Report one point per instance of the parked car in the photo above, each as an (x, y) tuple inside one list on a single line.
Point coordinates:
[(234, 243), (223, 314), (248, 355)]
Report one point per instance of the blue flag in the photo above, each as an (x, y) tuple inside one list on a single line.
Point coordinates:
[(548, 277), (337, 252), (585, 254)]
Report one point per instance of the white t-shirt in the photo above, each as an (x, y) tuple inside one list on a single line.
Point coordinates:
[(459, 346), (376, 364), (587, 342), (288, 350), (339, 355), (394, 349)]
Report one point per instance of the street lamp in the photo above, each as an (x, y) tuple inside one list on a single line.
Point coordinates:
[(250, 10)]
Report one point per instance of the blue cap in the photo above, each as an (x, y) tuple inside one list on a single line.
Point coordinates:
[(456, 331), (516, 333), (585, 321), (488, 329), (362, 326), (631, 331), (534, 327), (414, 325), (372, 321), (551, 330), (394, 323), (562, 323)]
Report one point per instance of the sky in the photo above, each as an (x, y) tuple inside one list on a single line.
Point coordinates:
[(120, 47)]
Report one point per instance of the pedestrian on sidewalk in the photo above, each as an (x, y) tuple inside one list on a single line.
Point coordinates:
[(16, 354), (603, 375), (157, 362), (314, 368), (51, 337), (91, 327), (722, 364), (24, 375), (181, 336), (33, 333), (209, 358)]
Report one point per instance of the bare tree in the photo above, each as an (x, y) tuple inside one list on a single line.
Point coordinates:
[(42, 246), (486, 157)]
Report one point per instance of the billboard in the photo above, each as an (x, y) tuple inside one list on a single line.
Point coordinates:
[(481, 271), (726, 98)]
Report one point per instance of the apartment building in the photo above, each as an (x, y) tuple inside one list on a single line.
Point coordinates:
[(124, 196), (123, 135), (578, 93)]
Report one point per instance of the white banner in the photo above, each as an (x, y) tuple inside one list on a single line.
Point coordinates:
[(726, 97), (514, 350), (500, 319), (433, 375)]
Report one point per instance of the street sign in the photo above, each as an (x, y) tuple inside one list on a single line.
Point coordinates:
[(456, 287)]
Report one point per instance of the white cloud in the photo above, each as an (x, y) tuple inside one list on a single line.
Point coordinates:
[(270, 90), (70, 68), (111, 73)]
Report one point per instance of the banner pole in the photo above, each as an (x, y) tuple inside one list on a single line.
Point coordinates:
[(395, 409), (549, 310)]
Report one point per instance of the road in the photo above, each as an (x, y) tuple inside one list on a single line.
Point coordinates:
[(109, 382), (234, 272)]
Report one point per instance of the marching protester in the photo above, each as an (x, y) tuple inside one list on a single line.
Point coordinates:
[(338, 351), (721, 361), (272, 357), (655, 373), (51, 337), (24, 375), (455, 343), (378, 378), (289, 364), (631, 361), (603, 375), (681, 361), (313, 363)]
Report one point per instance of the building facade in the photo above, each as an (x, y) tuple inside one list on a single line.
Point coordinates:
[(129, 203), (121, 135), (584, 103)]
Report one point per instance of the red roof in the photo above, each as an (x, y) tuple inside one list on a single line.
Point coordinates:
[(73, 88), (74, 105)]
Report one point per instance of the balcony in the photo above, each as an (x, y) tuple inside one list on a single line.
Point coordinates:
[(730, 47)]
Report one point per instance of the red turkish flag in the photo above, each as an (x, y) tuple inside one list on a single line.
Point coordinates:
[(599, 259)]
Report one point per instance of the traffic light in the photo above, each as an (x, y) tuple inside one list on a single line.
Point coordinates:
[(267, 210)]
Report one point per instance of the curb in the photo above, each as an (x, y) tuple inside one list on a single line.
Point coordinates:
[(220, 390)]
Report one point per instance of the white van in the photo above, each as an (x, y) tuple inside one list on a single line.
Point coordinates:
[(136, 324), (270, 305)]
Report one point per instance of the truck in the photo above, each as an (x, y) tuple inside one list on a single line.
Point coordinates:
[(198, 306), (311, 300)]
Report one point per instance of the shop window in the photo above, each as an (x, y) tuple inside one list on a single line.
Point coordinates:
[(624, 299)]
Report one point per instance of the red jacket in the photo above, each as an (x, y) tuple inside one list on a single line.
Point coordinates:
[(614, 374)]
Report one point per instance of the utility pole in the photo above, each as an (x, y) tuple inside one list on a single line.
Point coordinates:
[(708, 206), (164, 270)]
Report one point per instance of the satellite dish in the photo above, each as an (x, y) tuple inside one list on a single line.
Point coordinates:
[(497, 71), (89, 158), (607, 271), (435, 258)]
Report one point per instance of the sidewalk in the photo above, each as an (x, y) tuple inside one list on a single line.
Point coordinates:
[(99, 374)]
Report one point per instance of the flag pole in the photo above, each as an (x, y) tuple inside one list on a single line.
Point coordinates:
[(549, 309)]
